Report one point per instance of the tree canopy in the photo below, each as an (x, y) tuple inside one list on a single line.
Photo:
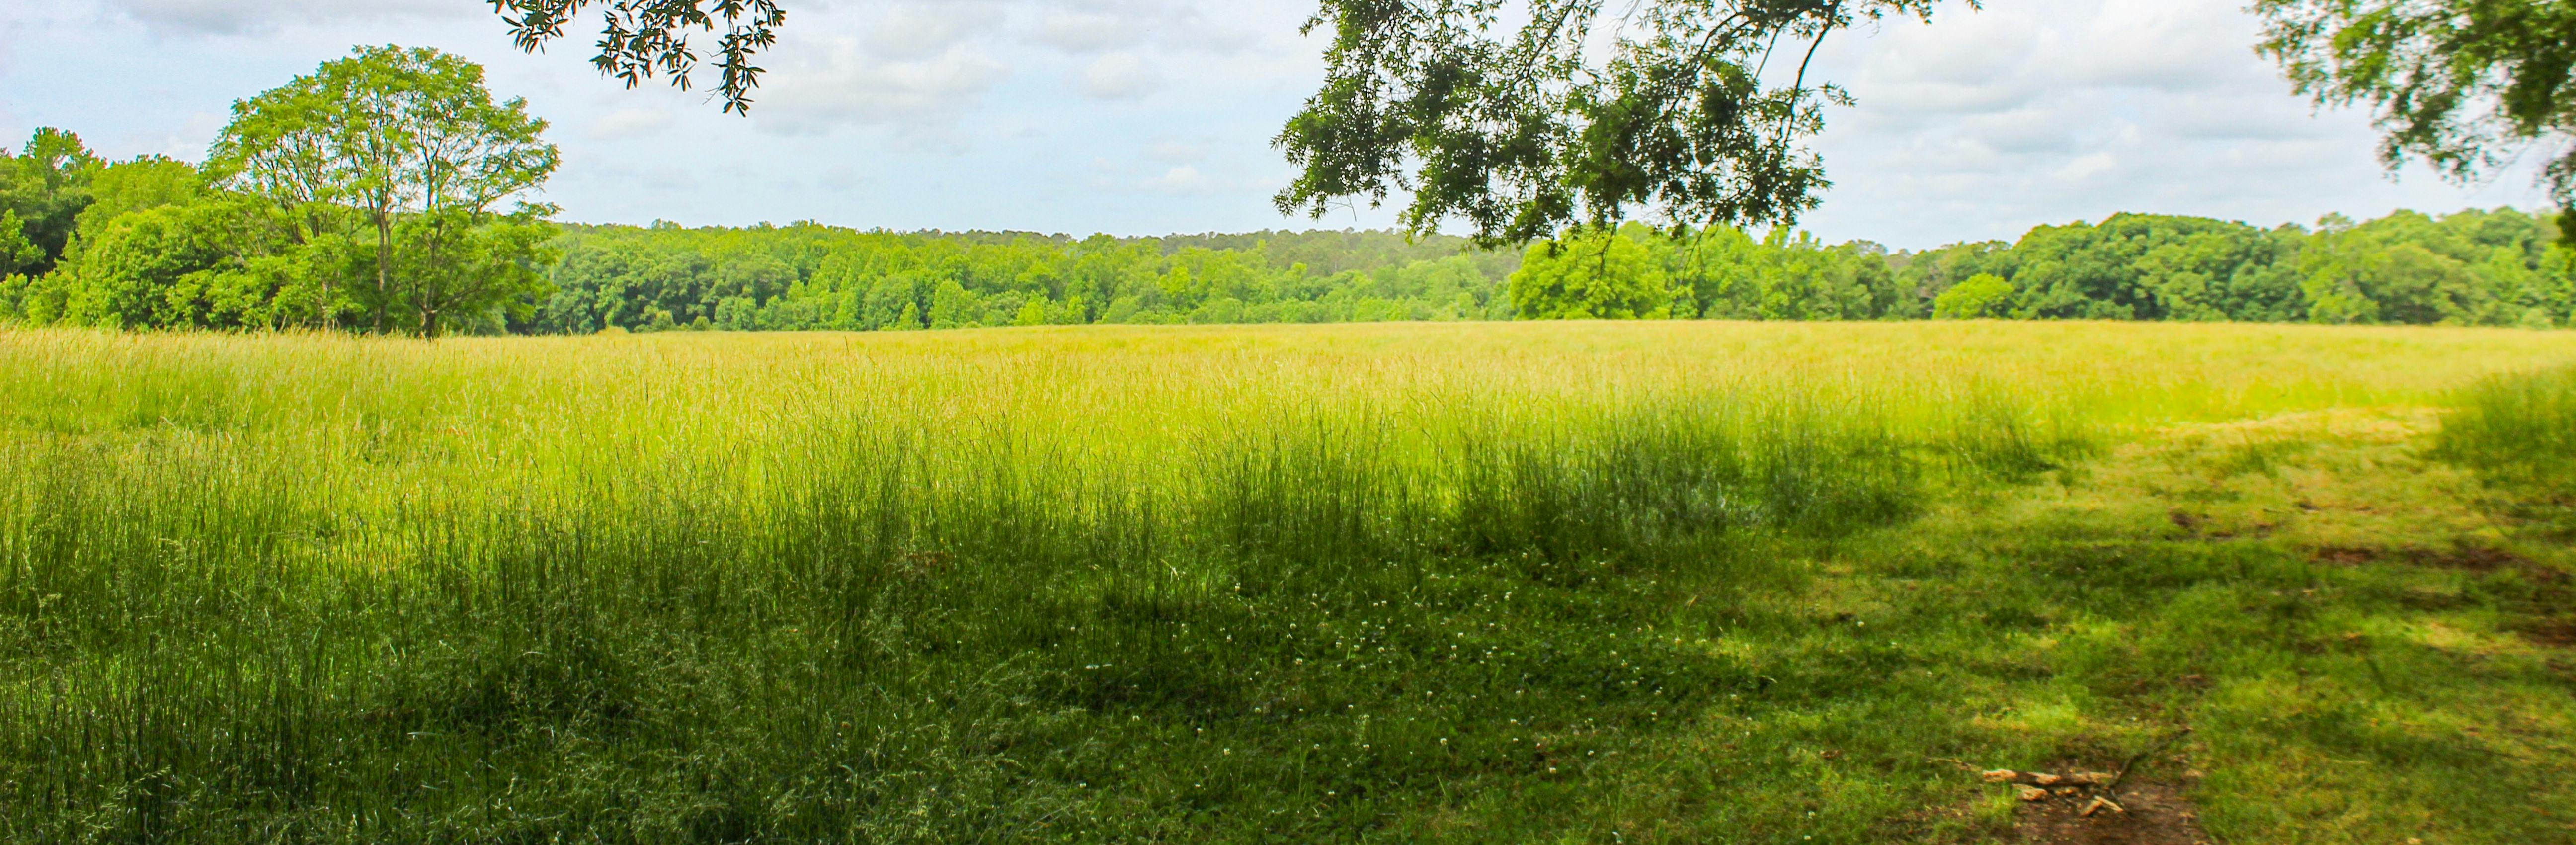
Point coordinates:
[(1523, 118), (2466, 85)]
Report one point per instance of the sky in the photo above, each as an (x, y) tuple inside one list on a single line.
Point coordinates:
[(1141, 117)]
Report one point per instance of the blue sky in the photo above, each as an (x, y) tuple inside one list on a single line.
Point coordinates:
[(1155, 116)]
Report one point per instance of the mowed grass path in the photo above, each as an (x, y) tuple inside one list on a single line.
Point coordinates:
[(1687, 582)]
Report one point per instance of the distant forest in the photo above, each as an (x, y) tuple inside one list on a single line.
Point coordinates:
[(2471, 268), (809, 276), (152, 243)]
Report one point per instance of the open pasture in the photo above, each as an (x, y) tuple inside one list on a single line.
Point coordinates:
[(1581, 582)]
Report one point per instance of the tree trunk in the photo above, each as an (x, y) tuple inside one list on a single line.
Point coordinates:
[(330, 315), (384, 265), (428, 281)]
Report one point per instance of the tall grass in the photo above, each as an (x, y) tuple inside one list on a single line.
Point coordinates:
[(2520, 432), (1271, 584)]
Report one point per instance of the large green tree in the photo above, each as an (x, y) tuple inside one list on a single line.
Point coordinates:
[(412, 142), (2468, 86)]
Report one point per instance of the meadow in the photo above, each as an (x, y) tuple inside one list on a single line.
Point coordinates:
[(1563, 582)]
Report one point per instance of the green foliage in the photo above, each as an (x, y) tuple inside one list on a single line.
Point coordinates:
[(2152, 267), (474, 267), (1503, 115), (159, 249), (2464, 84), (1787, 275), (165, 266), (372, 189), (2471, 268), (1590, 275), (46, 185), (1921, 277), (1982, 295), (122, 187), (17, 252)]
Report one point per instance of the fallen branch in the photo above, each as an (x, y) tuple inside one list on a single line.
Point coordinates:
[(2045, 780), (2103, 789), (2041, 786)]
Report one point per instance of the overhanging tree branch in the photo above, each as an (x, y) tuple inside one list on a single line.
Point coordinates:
[(1515, 132), (642, 39), (2468, 86)]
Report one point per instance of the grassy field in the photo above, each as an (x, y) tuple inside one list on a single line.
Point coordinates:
[(1637, 582)]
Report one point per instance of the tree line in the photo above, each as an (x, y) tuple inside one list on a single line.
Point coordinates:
[(2492, 268), (385, 192)]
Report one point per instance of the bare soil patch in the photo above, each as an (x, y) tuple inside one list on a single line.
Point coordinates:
[(2466, 557), (2469, 557), (2554, 633), (2158, 814), (2346, 555)]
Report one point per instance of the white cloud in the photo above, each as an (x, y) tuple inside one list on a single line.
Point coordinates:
[(185, 138), (632, 123), (1175, 152), (238, 16), (843, 179), (1090, 26), (660, 177), (1085, 32), (1982, 124), (1180, 180), (917, 31), (2088, 167), (922, 98), (2235, 115), (2169, 45), (1119, 76), (1978, 125)]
